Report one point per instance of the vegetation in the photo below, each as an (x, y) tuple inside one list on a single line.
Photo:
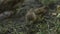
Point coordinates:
[(29, 17)]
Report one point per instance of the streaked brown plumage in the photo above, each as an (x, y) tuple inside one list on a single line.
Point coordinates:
[(41, 10)]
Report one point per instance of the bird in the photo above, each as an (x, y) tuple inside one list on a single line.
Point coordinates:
[(35, 14)]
